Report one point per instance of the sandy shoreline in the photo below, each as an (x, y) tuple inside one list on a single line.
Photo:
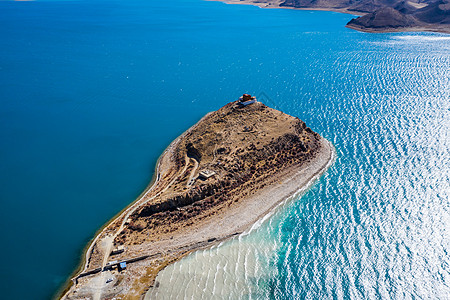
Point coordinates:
[(87, 250), (292, 185), (410, 29), (233, 223), (276, 4), (214, 228)]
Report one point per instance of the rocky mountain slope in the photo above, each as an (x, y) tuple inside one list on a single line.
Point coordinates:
[(404, 16), (213, 182), (376, 15)]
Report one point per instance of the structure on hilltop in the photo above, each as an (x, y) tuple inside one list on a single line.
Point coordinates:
[(246, 99)]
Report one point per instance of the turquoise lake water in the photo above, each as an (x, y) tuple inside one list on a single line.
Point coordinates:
[(91, 92)]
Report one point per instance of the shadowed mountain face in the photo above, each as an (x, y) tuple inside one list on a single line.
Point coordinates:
[(387, 15), (437, 12), (382, 19), (405, 15), (405, 7)]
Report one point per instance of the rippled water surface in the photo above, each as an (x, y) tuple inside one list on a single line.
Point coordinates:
[(92, 92), (377, 224)]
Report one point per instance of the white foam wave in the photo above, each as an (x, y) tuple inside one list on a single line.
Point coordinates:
[(421, 38)]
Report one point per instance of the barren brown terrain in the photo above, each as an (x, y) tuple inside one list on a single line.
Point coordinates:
[(375, 16), (213, 182)]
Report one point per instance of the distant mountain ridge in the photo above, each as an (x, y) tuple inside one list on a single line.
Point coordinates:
[(364, 6), (406, 15), (376, 15)]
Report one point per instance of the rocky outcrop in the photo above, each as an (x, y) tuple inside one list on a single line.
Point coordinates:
[(255, 156), (243, 169), (381, 15), (384, 19), (404, 15), (435, 13)]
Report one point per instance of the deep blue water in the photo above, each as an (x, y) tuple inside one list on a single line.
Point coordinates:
[(91, 92)]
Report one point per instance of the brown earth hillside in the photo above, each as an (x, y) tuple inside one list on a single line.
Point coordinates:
[(243, 146), (375, 15), (213, 182)]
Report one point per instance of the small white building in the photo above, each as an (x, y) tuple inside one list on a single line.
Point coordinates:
[(111, 263), (205, 174)]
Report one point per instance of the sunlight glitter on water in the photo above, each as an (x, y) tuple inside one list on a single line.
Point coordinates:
[(376, 225)]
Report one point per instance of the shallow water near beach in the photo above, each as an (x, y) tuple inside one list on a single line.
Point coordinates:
[(91, 93)]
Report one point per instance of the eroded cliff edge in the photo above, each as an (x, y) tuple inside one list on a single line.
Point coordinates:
[(213, 182)]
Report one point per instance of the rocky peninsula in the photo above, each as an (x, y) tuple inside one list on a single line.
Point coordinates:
[(375, 15), (212, 183)]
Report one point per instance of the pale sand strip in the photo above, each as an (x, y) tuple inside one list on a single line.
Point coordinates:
[(257, 208), (241, 217), (234, 220), (277, 3), (127, 211), (442, 28)]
